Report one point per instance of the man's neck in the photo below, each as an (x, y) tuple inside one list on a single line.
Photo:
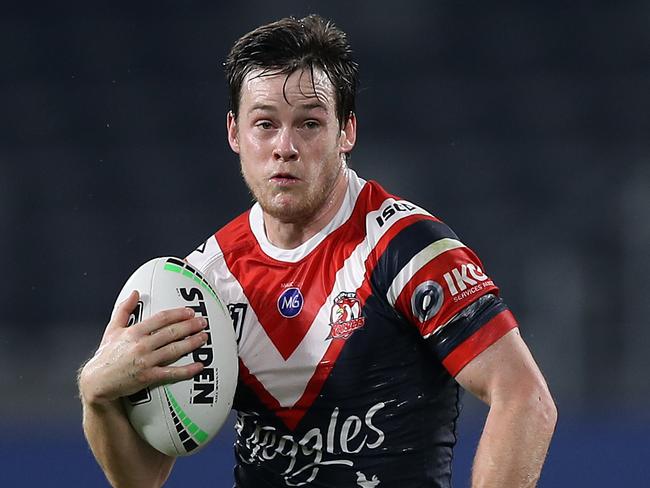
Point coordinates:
[(290, 235)]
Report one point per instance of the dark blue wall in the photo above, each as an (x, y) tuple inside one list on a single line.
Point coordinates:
[(587, 452)]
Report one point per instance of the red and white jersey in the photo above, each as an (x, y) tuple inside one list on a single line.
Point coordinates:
[(348, 344)]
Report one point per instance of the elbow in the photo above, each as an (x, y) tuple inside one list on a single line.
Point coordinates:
[(533, 403), (540, 409), (549, 410)]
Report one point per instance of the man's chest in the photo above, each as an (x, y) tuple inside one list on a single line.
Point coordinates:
[(292, 322)]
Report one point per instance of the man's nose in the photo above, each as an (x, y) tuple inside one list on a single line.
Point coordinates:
[(285, 148)]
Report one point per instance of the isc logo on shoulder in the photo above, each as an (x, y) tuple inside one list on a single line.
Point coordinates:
[(290, 302)]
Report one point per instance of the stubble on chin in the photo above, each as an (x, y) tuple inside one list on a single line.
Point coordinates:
[(297, 205), (288, 207)]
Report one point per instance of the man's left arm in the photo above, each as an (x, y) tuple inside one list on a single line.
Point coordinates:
[(522, 414)]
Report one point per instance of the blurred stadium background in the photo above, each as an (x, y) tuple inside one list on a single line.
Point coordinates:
[(525, 126)]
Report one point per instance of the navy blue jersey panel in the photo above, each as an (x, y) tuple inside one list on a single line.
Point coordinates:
[(406, 244), (404, 404)]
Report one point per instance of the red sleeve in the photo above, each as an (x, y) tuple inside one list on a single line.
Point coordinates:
[(482, 337), (454, 305), (442, 287)]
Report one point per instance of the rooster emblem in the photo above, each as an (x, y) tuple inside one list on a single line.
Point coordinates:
[(345, 316)]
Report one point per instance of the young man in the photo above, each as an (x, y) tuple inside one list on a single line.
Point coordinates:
[(358, 314)]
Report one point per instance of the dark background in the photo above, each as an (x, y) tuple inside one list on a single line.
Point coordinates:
[(525, 126)]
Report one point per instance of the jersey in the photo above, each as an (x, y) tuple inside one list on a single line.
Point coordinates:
[(349, 344)]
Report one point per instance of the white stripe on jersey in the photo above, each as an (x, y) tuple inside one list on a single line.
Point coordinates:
[(202, 257), (256, 221), (213, 266), (416, 263), (304, 360), (280, 378), (287, 380)]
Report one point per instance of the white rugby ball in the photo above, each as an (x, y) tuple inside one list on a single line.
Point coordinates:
[(180, 418)]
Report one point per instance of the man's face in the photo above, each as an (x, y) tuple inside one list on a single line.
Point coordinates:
[(291, 149)]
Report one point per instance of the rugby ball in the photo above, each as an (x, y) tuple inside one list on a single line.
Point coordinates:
[(180, 418)]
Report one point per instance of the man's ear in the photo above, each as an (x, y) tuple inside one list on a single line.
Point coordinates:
[(348, 135), (233, 133)]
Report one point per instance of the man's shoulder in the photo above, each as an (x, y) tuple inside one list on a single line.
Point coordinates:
[(231, 235), (385, 212)]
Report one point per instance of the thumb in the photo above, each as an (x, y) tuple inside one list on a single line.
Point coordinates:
[(122, 312)]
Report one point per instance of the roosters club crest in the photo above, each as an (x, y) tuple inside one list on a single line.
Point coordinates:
[(345, 317)]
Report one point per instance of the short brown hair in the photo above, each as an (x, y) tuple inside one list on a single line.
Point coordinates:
[(292, 44)]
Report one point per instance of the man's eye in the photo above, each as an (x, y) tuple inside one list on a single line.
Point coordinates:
[(311, 124), (264, 124)]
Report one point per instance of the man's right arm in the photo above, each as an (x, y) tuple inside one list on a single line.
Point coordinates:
[(126, 459), (128, 360)]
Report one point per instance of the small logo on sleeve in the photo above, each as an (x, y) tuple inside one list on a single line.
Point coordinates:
[(426, 300), (290, 302)]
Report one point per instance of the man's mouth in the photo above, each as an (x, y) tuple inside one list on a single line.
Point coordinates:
[(284, 178)]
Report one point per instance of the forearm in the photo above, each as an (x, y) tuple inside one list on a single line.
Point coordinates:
[(129, 359), (514, 442), (127, 460)]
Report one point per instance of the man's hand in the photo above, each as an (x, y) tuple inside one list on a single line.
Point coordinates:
[(132, 358)]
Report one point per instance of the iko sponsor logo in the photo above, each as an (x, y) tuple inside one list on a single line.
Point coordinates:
[(290, 302), (204, 384), (299, 460), (393, 209), (465, 280), (426, 300)]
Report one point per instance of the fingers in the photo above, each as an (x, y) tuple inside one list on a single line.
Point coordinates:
[(164, 318), (168, 344), (155, 369), (173, 374), (175, 332), (175, 350), (163, 374), (131, 358)]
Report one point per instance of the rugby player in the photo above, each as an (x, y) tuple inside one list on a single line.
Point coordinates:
[(359, 315)]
